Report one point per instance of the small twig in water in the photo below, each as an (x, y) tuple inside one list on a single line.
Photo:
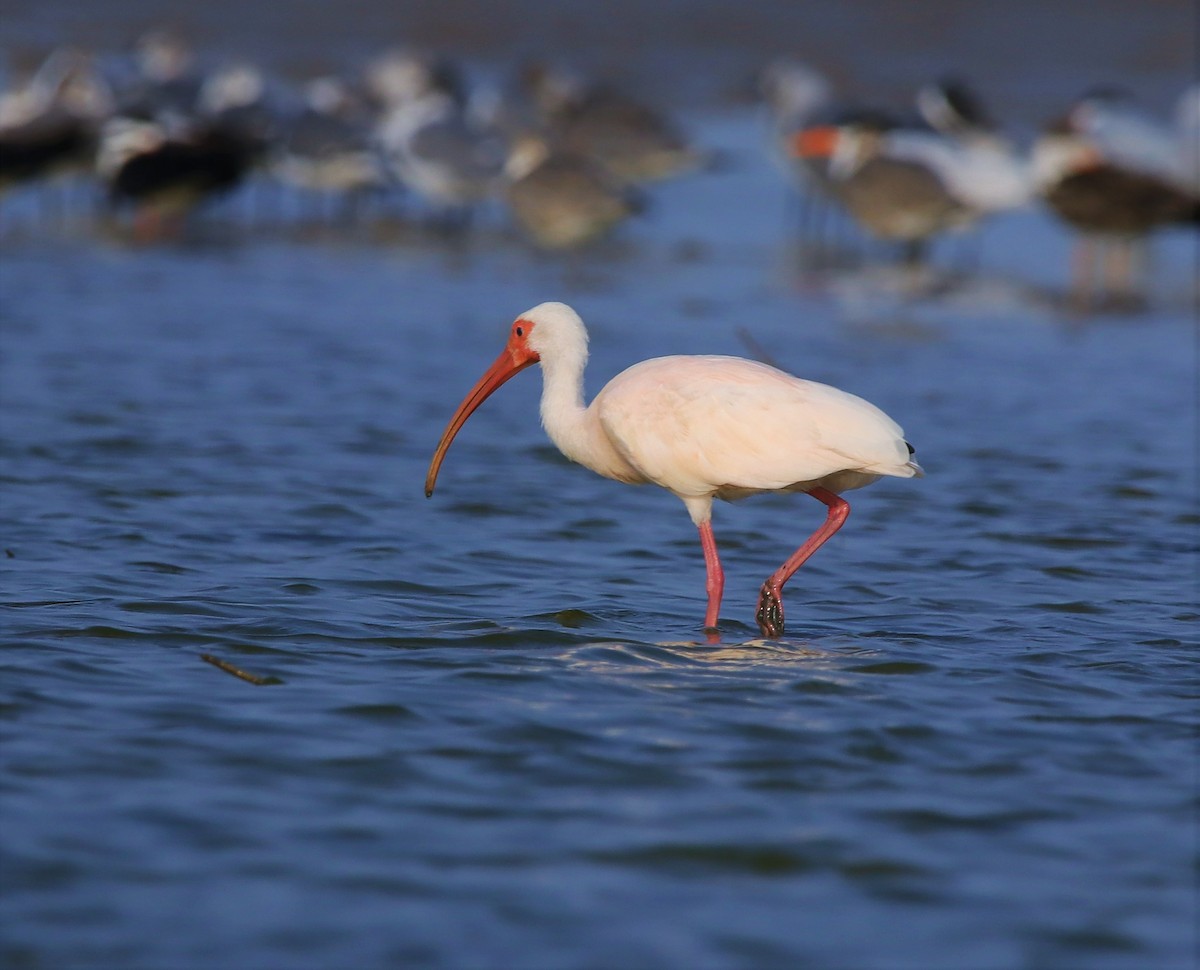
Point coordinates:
[(229, 668)]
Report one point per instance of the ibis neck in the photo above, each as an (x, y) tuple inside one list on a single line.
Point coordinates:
[(576, 429), (562, 405)]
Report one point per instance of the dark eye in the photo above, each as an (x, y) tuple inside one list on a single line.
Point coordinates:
[(519, 331)]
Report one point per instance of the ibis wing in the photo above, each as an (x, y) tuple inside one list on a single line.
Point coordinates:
[(698, 424)]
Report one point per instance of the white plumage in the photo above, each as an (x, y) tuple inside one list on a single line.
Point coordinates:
[(727, 427)]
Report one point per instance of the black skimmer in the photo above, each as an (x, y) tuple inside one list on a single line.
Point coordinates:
[(1114, 176), (977, 162), (951, 106), (907, 183), (895, 198), (164, 162), (50, 125), (164, 173)]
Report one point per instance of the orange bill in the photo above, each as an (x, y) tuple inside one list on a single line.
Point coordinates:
[(511, 362)]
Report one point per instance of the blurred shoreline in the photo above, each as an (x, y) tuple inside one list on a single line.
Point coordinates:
[(1027, 58)]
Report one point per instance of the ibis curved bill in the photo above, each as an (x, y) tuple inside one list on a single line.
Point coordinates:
[(512, 360)]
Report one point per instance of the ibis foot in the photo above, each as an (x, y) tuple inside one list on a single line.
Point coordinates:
[(770, 612)]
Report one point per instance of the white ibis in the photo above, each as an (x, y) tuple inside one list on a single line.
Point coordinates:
[(702, 428)]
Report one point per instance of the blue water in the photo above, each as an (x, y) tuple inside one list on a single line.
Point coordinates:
[(492, 734)]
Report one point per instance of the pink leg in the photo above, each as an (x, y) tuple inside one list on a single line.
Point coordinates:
[(770, 605), (715, 582)]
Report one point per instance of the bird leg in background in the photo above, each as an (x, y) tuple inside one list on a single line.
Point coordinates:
[(1123, 273), (770, 605), (1083, 258), (715, 582)]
